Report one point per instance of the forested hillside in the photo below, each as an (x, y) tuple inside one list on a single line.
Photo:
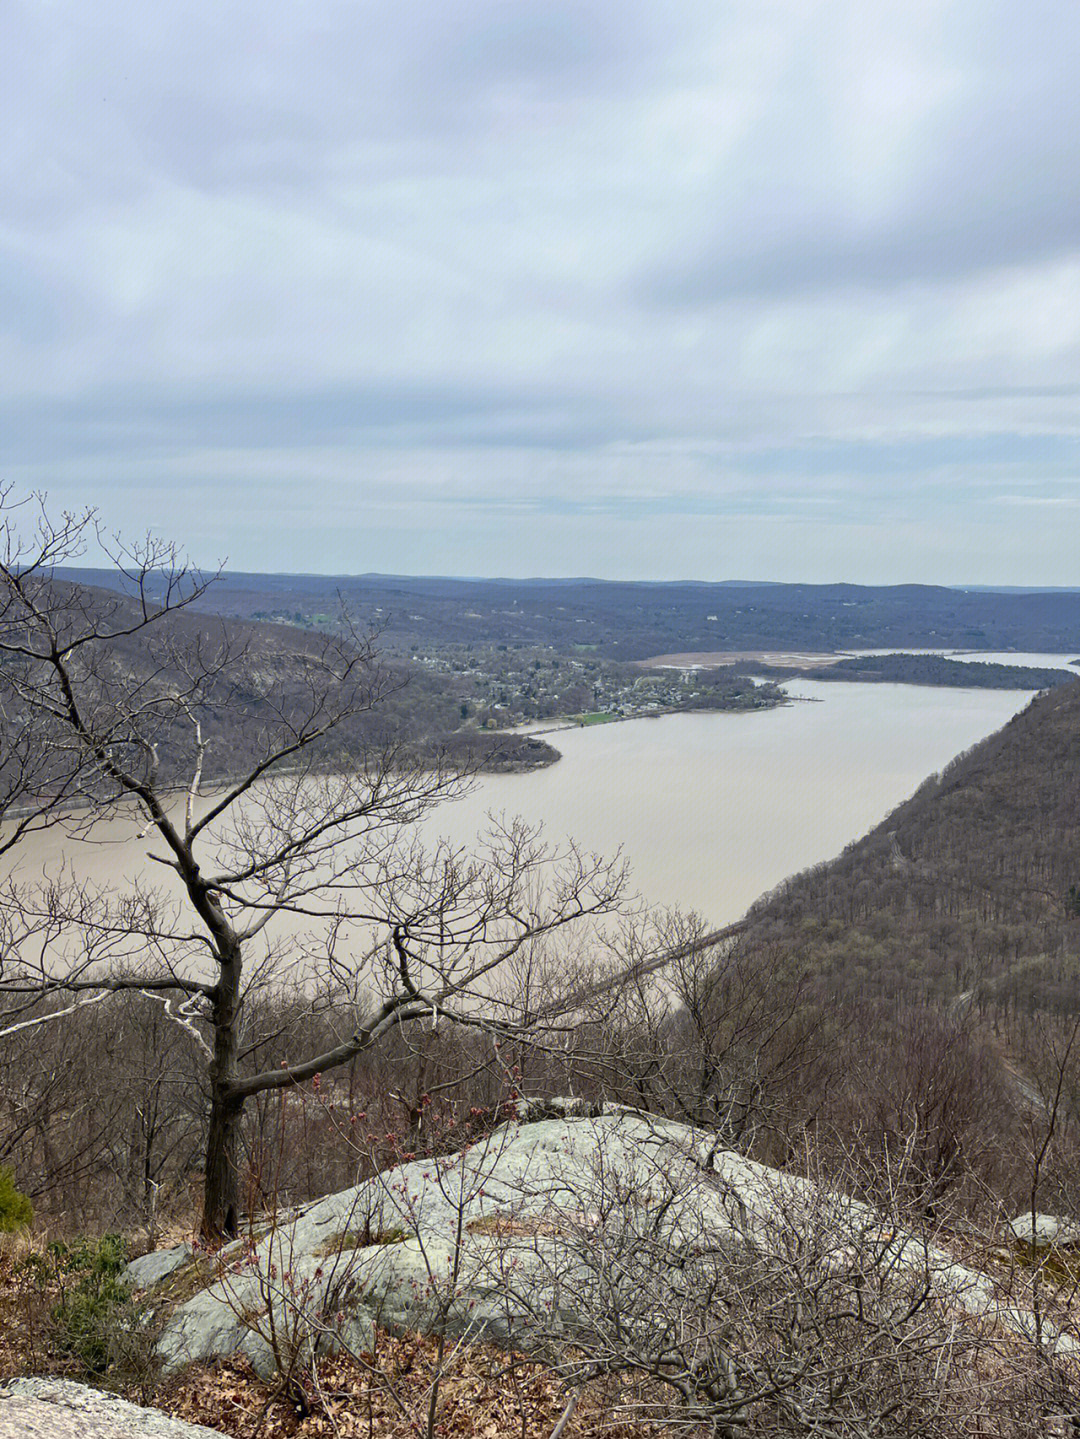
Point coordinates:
[(253, 675), (967, 886), (920, 669)]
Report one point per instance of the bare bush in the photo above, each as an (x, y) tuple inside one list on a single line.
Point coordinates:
[(795, 1312)]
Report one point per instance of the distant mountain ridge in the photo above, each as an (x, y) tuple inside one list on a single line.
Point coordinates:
[(634, 620)]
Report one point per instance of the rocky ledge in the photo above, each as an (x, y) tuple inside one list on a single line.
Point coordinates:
[(521, 1237), (62, 1409)]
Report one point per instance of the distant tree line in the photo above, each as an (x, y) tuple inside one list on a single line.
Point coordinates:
[(928, 670), (625, 620)]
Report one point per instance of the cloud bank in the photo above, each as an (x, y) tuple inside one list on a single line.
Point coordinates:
[(785, 287)]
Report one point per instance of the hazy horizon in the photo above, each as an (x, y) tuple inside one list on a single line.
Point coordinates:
[(231, 572)]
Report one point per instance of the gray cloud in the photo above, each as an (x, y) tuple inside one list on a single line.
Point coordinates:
[(507, 254), (978, 166)]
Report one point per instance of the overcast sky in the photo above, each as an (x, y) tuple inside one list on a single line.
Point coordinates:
[(783, 289)]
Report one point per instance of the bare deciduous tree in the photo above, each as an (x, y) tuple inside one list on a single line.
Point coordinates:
[(715, 1036), (284, 827)]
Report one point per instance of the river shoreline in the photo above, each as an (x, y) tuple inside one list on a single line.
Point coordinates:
[(560, 725)]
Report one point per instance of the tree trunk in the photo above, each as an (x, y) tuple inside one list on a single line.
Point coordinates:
[(221, 1195)]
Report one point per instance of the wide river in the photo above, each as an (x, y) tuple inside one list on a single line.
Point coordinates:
[(710, 809)]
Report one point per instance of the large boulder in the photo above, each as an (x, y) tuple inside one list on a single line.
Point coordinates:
[(518, 1237), (474, 1241), (1044, 1231)]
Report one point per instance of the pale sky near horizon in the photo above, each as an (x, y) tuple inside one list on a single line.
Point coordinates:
[(778, 289)]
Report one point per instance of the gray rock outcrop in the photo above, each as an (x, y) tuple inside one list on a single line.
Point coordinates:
[(62, 1409), (504, 1240), (150, 1269)]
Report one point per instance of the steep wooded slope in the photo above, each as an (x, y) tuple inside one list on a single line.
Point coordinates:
[(965, 887), (249, 685)]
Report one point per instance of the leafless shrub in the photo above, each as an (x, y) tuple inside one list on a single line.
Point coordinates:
[(799, 1313)]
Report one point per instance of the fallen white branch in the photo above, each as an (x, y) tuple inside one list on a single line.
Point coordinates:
[(56, 1013)]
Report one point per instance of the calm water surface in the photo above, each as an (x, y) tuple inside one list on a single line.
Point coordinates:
[(713, 809), (710, 810)]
